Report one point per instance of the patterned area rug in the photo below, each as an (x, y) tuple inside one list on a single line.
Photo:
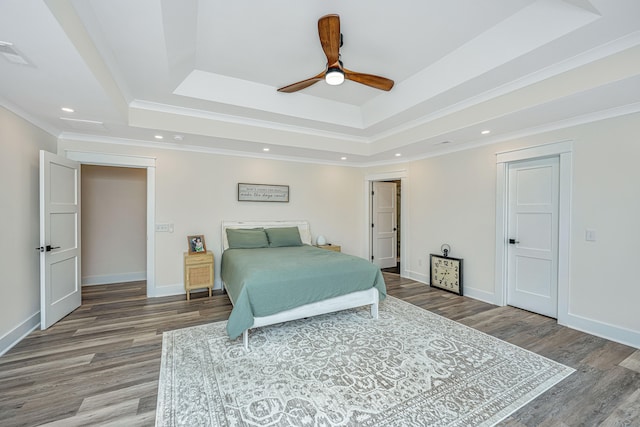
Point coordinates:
[(408, 368)]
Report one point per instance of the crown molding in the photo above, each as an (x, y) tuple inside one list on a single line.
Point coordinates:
[(536, 130), (266, 124), (53, 131)]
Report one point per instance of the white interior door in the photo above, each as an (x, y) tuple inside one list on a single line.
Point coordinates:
[(60, 291), (532, 254), (384, 229)]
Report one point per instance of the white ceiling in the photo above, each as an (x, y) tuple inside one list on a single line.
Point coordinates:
[(208, 70)]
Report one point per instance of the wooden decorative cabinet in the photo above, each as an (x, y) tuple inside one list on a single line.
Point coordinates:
[(198, 272), (335, 248)]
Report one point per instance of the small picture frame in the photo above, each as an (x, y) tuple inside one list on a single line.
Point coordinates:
[(196, 244)]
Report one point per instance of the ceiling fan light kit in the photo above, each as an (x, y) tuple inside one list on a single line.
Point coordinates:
[(335, 74)]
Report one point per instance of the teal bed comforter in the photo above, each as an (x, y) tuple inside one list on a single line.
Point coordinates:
[(266, 281)]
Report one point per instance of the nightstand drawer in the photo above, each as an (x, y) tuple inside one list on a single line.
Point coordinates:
[(198, 258)]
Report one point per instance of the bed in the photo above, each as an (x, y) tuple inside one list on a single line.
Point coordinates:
[(284, 279)]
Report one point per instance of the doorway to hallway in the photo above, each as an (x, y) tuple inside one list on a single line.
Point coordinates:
[(114, 217)]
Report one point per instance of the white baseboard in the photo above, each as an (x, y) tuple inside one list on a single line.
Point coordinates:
[(413, 275), (114, 278), (178, 289), (580, 323), (13, 337), (484, 296), (169, 290), (604, 330)]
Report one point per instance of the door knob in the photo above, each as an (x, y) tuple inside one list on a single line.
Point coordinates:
[(513, 241), (47, 248)]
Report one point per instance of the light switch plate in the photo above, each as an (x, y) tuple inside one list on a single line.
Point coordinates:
[(164, 228)]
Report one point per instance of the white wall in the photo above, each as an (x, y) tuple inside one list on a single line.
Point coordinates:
[(451, 198), (114, 217), (606, 198), (196, 191), (20, 142)]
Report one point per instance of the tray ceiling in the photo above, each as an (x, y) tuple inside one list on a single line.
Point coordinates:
[(203, 74)]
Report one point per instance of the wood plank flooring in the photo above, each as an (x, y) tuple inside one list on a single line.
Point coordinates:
[(100, 364)]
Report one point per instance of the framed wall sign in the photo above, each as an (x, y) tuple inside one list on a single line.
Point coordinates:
[(262, 193), (446, 273)]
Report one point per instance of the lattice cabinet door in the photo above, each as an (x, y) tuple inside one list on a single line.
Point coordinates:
[(198, 272)]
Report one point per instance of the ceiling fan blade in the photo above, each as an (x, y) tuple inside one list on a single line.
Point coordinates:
[(302, 84), (329, 32), (331, 39), (377, 82)]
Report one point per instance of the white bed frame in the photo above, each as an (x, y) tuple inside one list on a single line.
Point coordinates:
[(331, 305)]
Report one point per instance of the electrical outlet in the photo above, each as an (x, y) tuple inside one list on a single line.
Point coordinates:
[(590, 235)]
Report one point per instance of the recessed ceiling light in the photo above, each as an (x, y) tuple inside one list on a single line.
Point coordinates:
[(265, 149), (178, 137), (445, 142), (398, 154), (343, 158), (158, 136), (67, 109), (485, 132)]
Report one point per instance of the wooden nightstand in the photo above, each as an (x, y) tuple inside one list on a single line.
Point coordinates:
[(198, 272), (335, 248)]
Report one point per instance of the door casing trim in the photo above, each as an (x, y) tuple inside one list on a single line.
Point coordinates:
[(401, 175), (562, 150), (148, 163)]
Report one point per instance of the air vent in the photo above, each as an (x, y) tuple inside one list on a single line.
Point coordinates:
[(10, 54), (79, 124), (6, 47)]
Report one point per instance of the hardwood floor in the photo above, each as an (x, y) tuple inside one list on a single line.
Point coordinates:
[(100, 364)]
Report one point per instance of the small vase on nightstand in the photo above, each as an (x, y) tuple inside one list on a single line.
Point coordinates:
[(320, 240)]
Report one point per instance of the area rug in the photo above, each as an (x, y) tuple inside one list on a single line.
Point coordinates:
[(408, 368)]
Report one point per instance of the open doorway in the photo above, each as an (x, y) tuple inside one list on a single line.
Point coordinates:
[(148, 164), (114, 222)]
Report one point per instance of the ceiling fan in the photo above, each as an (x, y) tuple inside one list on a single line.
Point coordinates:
[(335, 73)]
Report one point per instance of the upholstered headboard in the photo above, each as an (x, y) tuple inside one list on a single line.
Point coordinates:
[(303, 226)]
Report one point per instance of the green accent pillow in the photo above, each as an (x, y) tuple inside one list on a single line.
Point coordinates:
[(247, 238), (284, 236)]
